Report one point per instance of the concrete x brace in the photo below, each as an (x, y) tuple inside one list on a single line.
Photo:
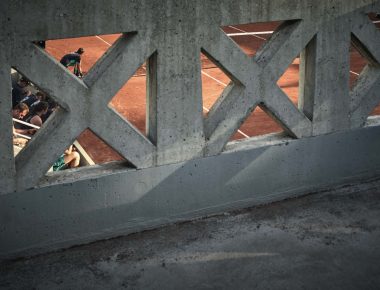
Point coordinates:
[(83, 107), (256, 83), (365, 96)]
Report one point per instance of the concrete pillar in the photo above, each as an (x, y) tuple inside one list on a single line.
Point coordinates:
[(7, 168), (63, 127), (324, 74), (104, 80), (365, 94), (177, 120)]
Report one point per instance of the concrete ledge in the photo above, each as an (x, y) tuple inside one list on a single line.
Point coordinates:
[(125, 201), (328, 240)]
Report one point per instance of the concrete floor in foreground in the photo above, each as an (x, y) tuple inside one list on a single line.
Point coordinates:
[(328, 240)]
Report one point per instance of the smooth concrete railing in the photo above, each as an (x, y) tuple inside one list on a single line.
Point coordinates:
[(185, 165)]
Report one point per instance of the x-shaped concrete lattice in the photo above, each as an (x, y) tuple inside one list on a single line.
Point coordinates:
[(255, 82), (85, 106), (365, 95)]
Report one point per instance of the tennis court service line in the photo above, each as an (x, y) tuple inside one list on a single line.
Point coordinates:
[(206, 74), (251, 34), (254, 34), (354, 73), (106, 42), (239, 131), (211, 77)]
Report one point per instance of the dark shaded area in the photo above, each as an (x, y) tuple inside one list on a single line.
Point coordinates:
[(328, 240)]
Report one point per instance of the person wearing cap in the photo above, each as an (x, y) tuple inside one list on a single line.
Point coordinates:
[(73, 59)]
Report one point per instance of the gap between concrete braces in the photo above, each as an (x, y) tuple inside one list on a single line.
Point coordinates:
[(207, 110), (241, 33)]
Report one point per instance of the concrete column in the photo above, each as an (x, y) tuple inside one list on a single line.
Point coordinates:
[(151, 92), (104, 80), (7, 168), (176, 102), (307, 79), (365, 95), (324, 75), (62, 127)]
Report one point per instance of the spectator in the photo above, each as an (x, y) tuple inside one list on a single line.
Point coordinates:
[(39, 110), (19, 91), (32, 100), (74, 59), (19, 112), (69, 159), (53, 105), (28, 96)]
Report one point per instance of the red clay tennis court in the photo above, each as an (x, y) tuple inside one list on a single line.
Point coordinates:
[(130, 101)]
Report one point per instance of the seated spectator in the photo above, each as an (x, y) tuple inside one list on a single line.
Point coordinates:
[(69, 159), (53, 105), (32, 100), (27, 95), (19, 91), (39, 110), (19, 112)]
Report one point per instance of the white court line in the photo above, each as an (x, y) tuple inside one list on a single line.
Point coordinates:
[(218, 81), (241, 30), (254, 34), (249, 33), (237, 34), (223, 84), (242, 133), (355, 73), (109, 44)]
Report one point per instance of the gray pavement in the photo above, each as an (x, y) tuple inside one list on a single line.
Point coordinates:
[(328, 240)]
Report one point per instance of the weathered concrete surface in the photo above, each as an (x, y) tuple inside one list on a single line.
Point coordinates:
[(171, 34), (183, 169), (329, 240), (94, 208)]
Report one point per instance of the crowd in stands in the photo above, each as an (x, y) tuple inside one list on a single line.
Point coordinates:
[(30, 105), (33, 107)]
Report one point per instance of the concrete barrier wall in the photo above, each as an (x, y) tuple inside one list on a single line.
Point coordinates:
[(185, 167)]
